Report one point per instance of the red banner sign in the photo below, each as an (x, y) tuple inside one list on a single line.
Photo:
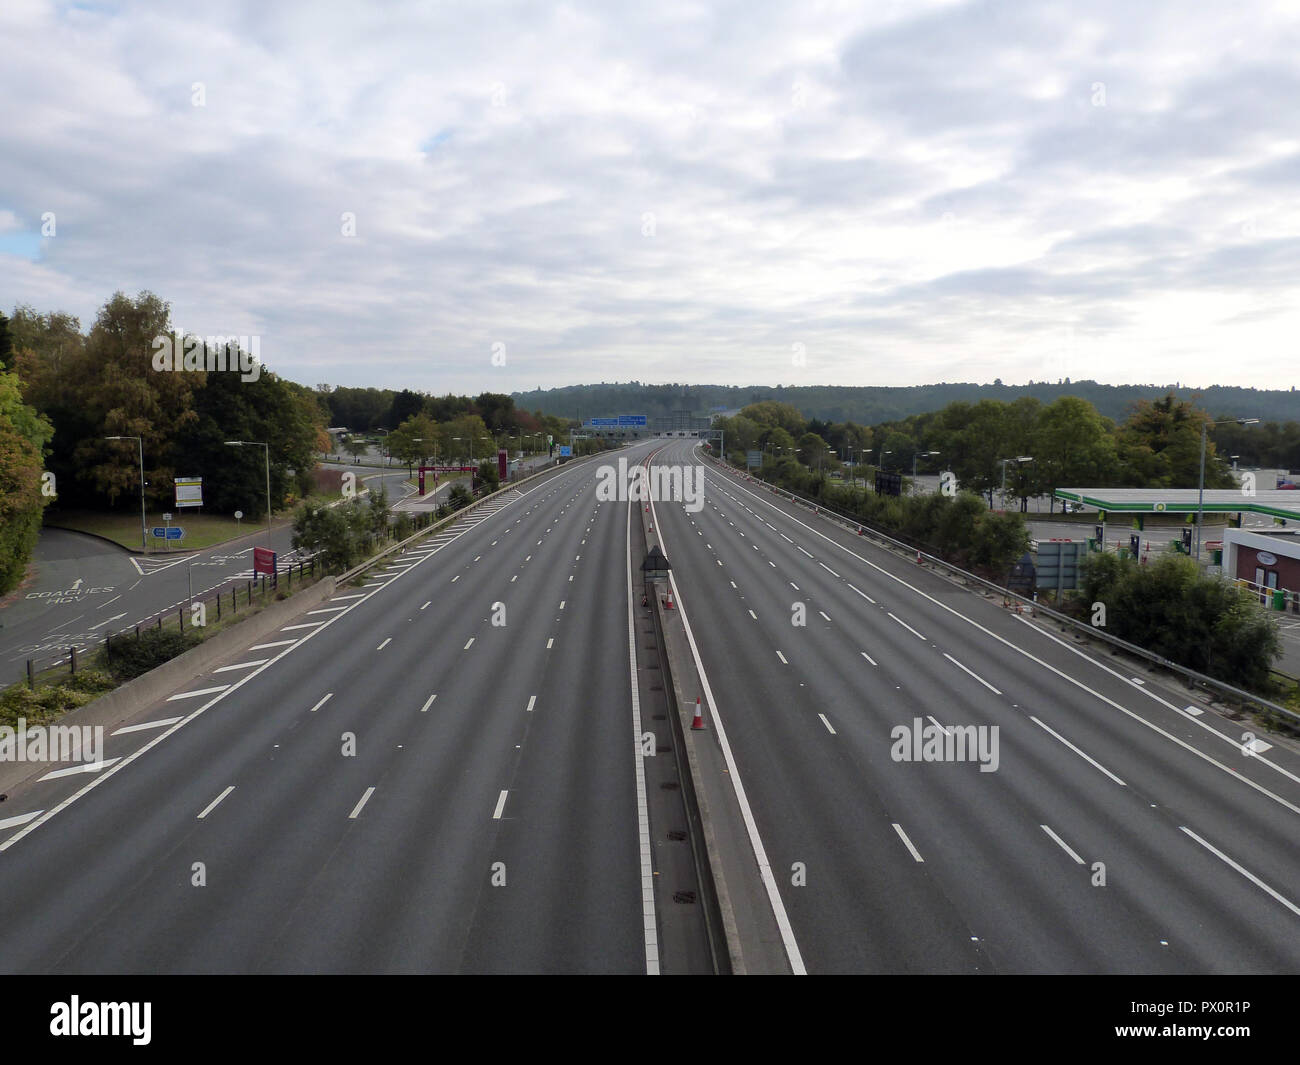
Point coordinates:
[(263, 560)]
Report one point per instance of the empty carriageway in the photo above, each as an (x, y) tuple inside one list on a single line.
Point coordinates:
[(936, 866), (433, 771)]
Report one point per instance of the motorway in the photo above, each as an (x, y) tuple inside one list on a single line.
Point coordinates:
[(433, 771), (915, 866)]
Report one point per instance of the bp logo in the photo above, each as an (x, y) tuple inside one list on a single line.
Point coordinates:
[(1160, 506)]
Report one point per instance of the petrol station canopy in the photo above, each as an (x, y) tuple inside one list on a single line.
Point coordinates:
[(1277, 503)]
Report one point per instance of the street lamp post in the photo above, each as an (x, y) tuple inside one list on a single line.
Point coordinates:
[(914, 454), (1018, 459), (1200, 494), (144, 535), (267, 449)]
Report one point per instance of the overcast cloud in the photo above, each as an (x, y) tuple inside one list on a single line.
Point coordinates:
[(893, 193)]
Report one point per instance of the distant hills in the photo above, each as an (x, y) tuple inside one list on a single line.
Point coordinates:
[(870, 405)]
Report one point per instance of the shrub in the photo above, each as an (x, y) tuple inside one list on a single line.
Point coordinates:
[(133, 655)]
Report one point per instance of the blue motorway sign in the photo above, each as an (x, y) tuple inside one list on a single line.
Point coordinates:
[(173, 532), (566, 451), (604, 423), (631, 419)]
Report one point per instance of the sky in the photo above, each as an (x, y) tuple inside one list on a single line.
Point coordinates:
[(466, 197)]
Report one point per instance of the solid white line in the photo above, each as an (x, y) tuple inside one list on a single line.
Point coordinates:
[(308, 625), (357, 809), (1193, 711), (200, 691), (532, 701), (268, 646), (384, 644), (1064, 846), (1038, 661), (863, 594), (827, 724), (326, 610), (907, 842), (905, 625), (328, 697), (90, 786), (975, 675), (868, 658), (241, 665), (339, 598), (161, 723), (213, 804), (1086, 758), (1244, 872), (467, 644), (72, 770), (501, 805), (428, 703), (21, 819)]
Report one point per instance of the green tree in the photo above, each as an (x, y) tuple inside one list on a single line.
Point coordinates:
[(1073, 446), (1160, 446), (23, 436)]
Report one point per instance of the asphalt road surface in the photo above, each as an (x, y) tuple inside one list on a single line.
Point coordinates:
[(916, 866), (431, 772), (85, 587)]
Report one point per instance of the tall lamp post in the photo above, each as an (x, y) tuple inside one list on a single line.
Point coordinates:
[(1018, 459), (914, 454), (266, 448), (144, 535), (1200, 494)]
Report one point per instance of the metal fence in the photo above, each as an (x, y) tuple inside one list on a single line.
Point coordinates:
[(225, 602)]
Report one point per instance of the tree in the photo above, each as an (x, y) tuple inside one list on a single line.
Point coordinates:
[(415, 440), (354, 445), (1073, 446), (23, 435), (1160, 446), (405, 404), (124, 395)]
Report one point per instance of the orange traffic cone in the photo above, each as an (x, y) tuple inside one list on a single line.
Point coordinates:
[(669, 605), (918, 557), (698, 723), (860, 532)]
